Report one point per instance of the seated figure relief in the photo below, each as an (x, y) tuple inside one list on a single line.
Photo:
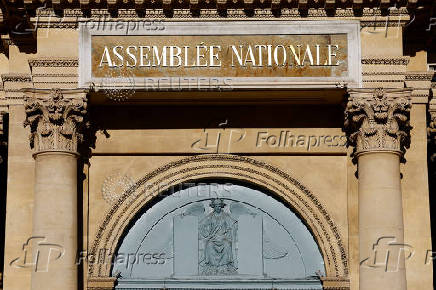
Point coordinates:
[(217, 232), (247, 240)]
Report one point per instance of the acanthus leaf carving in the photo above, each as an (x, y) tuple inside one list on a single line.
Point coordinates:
[(56, 123), (378, 120)]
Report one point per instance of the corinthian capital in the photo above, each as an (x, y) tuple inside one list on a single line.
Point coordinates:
[(56, 123), (378, 120)]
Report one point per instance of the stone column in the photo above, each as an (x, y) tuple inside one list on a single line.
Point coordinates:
[(377, 124), (55, 124)]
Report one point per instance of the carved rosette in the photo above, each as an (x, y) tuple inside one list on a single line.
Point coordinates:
[(56, 123), (378, 120)]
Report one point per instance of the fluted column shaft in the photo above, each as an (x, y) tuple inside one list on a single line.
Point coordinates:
[(56, 123), (377, 122)]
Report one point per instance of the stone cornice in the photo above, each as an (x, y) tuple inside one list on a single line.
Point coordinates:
[(53, 62), (420, 81), (335, 283), (11, 83), (369, 17), (43, 14), (126, 14), (101, 283), (377, 120), (420, 76), (301, 4), (16, 77), (385, 60), (56, 122)]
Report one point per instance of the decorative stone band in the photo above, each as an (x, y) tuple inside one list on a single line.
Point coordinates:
[(378, 120), (108, 283), (101, 283), (141, 4), (335, 283), (56, 123)]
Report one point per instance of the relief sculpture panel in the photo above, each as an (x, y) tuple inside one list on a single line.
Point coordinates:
[(217, 235), (191, 240)]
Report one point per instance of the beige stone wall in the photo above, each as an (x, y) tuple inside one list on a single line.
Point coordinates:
[(416, 203), (314, 172), (21, 165), (330, 193), (417, 233), (336, 189), (382, 41), (353, 222), (21, 168)]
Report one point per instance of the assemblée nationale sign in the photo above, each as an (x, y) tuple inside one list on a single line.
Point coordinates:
[(251, 54)]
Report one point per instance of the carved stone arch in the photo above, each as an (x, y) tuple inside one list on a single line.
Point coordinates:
[(245, 169)]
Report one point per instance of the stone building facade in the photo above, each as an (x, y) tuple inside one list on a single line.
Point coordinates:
[(217, 144)]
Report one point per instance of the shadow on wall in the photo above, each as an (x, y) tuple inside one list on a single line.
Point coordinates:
[(248, 116)]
